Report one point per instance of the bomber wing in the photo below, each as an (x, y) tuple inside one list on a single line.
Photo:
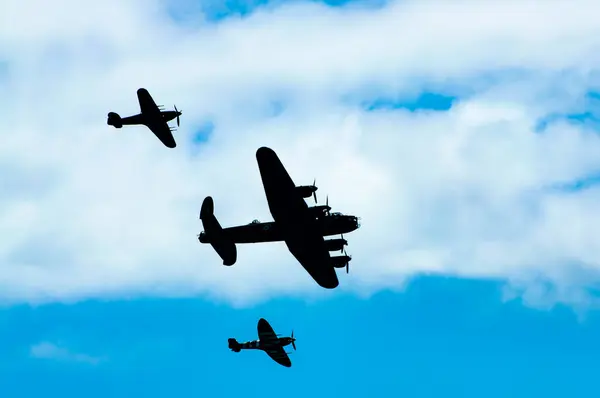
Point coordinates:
[(153, 118), (298, 227), (279, 187), (270, 343), (308, 247)]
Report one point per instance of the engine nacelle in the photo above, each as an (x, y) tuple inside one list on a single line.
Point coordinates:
[(335, 244), (114, 120), (306, 191), (340, 261)]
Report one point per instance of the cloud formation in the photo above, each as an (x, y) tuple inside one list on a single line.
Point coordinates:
[(477, 190), (47, 350)]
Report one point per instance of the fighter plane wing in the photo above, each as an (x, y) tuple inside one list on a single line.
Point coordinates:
[(297, 226), (153, 118), (270, 343)]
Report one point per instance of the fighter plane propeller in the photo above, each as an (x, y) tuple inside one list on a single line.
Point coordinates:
[(293, 341), (178, 112)]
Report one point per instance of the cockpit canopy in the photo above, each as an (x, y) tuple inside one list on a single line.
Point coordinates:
[(254, 222)]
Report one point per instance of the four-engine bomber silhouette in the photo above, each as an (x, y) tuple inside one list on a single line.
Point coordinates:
[(301, 227), (151, 116), (268, 342)]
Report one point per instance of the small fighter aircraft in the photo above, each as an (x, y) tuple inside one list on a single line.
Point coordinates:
[(301, 227), (152, 116), (268, 342)]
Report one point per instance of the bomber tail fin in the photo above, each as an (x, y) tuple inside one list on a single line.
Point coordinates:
[(213, 233), (234, 345)]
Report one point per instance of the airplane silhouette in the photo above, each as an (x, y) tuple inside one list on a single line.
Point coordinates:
[(301, 227), (268, 342), (151, 116)]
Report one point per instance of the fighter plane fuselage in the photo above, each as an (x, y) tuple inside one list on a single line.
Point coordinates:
[(258, 345), (169, 115), (140, 119)]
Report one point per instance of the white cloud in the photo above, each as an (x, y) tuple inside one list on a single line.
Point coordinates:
[(88, 210), (45, 350)]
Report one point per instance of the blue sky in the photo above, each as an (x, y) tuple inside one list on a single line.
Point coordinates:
[(442, 336), (416, 334)]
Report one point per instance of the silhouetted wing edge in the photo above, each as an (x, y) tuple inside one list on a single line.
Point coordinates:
[(162, 132), (313, 255), (278, 355), (147, 104), (266, 333)]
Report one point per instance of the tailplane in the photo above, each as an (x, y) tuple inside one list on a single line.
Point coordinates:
[(213, 233), (114, 120), (234, 345)]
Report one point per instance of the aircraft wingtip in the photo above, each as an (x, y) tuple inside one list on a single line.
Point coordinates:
[(331, 284), (208, 207), (263, 150)]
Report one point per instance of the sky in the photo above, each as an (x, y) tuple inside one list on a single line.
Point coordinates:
[(464, 134)]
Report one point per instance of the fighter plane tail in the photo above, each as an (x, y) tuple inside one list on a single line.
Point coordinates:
[(114, 120), (234, 345), (213, 233)]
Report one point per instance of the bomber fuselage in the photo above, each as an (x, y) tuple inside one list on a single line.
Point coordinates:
[(256, 232)]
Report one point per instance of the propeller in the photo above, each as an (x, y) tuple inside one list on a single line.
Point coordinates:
[(293, 341), (347, 262), (327, 204), (342, 249), (178, 113), (315, 190)]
